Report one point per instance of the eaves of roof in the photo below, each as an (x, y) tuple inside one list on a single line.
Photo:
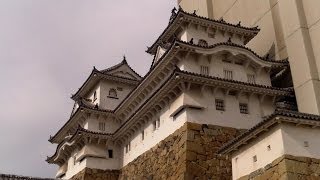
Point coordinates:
[(288, 91)]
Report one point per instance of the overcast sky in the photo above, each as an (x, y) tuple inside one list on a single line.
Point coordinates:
[(47, 50)]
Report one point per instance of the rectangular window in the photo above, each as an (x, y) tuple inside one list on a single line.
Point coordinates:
[(158, 122), (251, 78), (154, 125), (204, 70), (243, 108), (142, 135), (129, 146), (110, 153), (102, 126), (228, 74), (219, 104), (74, 160)]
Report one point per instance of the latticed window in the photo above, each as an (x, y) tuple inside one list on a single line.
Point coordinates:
[(113, 93), (243, 108), (219, 104), (204, 70), (102, 126), (228, 74), (251, 78)]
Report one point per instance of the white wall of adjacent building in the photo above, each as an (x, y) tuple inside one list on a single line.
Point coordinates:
[(280, 140)]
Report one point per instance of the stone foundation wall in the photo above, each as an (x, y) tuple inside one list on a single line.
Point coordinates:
[(189, 153), (96, 174), (288, 167), (202, 144), (164, 161)]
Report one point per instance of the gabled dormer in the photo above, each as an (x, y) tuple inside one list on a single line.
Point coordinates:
[(123, 70), (202, 31), (106, 89)]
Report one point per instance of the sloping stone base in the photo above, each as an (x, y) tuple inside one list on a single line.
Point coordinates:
[(288, 167), (96, 174)]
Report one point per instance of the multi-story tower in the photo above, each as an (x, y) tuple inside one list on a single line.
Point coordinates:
[(289, 28), (203, 88)]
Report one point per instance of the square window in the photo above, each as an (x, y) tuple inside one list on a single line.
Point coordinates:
[(243, 108), (306, 144), (219, 104), (255, 159), (102, 126), (228, 74), (204, 70), (269, 147), (110, 153)]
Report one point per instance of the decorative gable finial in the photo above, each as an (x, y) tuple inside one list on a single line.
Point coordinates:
[(174, 10), (124, 60), (173, 14), (195, 12), (239, 24), (229, 40)]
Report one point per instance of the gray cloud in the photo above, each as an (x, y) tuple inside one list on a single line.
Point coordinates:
[(47, 50)]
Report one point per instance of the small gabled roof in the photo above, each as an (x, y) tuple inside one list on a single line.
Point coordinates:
[(123, 66), (279, 116), (182, 16), (121, 72)]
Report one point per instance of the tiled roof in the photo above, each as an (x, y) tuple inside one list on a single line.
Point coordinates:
[(181, 12), (103, 75), (80, 131), (277, 113), (18, 177), (283, 61), (123, 62)]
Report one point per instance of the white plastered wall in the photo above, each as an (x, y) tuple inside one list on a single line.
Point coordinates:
[(231, 117), (151, 137)]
